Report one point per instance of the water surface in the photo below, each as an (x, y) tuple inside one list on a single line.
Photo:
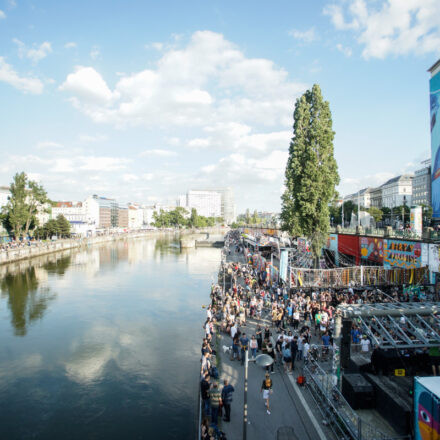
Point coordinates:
[(103, 343)]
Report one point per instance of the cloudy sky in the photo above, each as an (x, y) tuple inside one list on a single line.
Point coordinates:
[(143, 100)]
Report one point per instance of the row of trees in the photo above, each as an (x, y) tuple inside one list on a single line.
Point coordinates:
[(59, 227), (180, 218), (252, 219), (19, 216)]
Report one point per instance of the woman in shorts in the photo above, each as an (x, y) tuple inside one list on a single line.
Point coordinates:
[(266, 389)]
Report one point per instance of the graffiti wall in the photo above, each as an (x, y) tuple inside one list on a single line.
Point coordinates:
[(371, 249), (398, 253)]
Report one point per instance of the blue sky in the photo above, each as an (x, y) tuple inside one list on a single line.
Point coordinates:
[(144, 100)]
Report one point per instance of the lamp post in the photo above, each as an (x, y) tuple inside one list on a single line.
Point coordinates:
[(263, 360)]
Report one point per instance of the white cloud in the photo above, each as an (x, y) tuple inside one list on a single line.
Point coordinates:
[(199, 143), (88, 86), (70, 45), (2, 15), (86, 138), (390, 27), (48, 145), (207, 81), (345, 50), (307, 36), (103, 163), (157, 46), (35, 53), (158, 152), (25, 84), (130, 177)]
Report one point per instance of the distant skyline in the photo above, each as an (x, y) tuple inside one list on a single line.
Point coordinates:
[(143, 101)]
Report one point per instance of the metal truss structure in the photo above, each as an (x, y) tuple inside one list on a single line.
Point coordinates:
[(397, 325)]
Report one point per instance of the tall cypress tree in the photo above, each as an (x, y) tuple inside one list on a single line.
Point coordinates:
[(311, 171)]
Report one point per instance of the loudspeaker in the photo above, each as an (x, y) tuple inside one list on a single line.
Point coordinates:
[(357, 391), (345, 343)]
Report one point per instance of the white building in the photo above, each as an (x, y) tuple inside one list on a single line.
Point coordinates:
[(72, 211), (182, 201), (208, 203), (421, 191), (228, 205), (397, 191), (135, 217), (363, 197), (4, 195), (91, 210)]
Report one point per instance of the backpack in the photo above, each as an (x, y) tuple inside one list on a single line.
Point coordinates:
[(268, 382)]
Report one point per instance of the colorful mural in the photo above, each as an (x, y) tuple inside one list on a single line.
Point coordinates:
[(372, 249), (397, 253)]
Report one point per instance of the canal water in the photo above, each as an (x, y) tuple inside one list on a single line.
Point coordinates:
[(104, 343)]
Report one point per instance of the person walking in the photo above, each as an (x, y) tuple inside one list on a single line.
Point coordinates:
[(215, 401), (244, 344), (253, 346), (227, 391), (266, 389)]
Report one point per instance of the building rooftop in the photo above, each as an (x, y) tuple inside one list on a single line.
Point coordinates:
[(434, 68), (396, 179)]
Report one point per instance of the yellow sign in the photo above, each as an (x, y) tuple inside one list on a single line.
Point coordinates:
[(399, 372)]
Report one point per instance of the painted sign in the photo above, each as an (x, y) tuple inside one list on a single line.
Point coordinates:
[(416, 220), (426, 408), (332, 242), (398, 253), (372, 249)]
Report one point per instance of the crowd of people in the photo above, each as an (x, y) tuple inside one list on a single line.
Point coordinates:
[(291, 324)]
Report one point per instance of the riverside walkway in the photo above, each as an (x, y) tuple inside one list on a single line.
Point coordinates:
[(287, 408)]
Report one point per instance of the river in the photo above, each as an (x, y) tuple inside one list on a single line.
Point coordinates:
[(104, 343)]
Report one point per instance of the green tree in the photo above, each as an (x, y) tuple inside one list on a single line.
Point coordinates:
[(311, 171), (15, 211), (27, 197), (63, 226), (376, 213), (194, 219), (349, 208)]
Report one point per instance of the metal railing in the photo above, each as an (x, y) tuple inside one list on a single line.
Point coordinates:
[(345, 423)]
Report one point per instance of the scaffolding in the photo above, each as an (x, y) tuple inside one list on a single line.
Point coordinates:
[(396, 325)]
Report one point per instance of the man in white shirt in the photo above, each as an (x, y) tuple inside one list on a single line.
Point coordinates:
[(233, 330), (365, 344)]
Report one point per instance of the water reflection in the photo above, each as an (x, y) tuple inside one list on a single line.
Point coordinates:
[(118, 345), (26, 302)]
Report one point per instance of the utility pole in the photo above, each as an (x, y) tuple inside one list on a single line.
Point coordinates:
[(359, 208)]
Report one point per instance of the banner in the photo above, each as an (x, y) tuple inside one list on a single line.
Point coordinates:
[(284, 261), (416, 220), (399, 253), (434, 89)]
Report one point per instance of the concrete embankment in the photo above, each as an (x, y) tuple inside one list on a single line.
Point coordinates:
[(27, 252)]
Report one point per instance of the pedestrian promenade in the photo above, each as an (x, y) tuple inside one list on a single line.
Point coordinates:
[(286, 409)]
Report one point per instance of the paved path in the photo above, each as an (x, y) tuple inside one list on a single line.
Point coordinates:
[(286, 407)]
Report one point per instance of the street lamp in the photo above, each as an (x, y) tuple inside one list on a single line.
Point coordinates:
[(263, 360)]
